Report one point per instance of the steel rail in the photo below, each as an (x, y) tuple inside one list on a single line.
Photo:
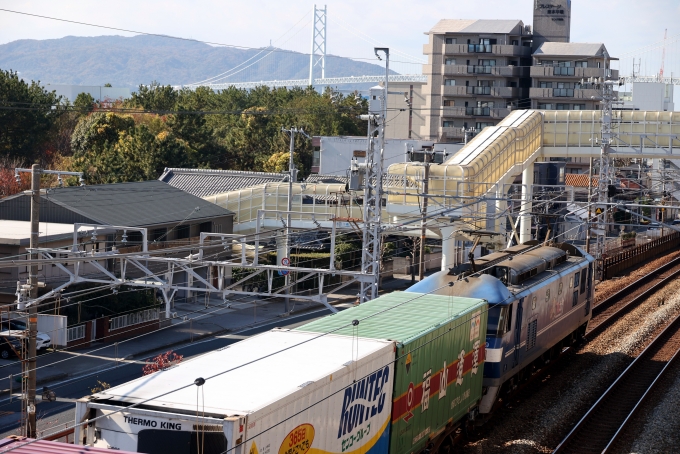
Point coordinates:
[(636, 300), (629, 390)]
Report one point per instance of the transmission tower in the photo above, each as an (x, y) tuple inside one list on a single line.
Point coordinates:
[(607, 176), (317, 56), (373, 189)]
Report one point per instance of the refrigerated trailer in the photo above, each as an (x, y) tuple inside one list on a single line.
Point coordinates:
[(280, 392)]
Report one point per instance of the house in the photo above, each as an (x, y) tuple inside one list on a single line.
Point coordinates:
[(171, 216), (206, 182)]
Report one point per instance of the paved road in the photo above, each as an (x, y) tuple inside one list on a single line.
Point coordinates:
[(52, 415)]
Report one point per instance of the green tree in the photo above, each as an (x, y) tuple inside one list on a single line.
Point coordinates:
[(27, 117), (84, 103), (154, 97)]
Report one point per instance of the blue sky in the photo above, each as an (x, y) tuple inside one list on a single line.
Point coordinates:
[(354, 26)]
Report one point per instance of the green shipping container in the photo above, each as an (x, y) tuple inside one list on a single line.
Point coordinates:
[(439, 358)]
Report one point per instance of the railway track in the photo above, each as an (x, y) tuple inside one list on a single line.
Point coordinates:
[(606, 420), (626, 299)]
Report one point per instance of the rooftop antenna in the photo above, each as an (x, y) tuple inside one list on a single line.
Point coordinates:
[(663, 54)]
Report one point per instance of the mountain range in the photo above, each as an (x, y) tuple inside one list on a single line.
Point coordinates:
[(131, 61)]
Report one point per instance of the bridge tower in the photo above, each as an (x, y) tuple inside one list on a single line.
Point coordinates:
[(317, 56)]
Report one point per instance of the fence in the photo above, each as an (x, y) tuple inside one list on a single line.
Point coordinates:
[(136, 318), (625, 259), (75, 333)]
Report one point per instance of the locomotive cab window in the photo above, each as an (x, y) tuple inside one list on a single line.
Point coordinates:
[(583, 280), (500, 320), (576, 280), (502, 274)]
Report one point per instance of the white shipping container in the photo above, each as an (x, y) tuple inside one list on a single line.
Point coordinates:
[(328, 394)]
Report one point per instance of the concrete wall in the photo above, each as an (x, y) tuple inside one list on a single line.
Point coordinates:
[(336, 152)]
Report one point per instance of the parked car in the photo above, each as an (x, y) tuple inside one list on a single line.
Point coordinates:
[(16, 327), (9, 346), (675, 222)]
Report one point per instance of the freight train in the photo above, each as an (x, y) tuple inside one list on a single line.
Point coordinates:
[(395, 375)]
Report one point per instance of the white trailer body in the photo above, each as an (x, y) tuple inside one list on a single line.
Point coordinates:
[(281, 392)]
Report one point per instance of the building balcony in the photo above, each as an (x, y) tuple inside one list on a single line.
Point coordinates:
[(576, 93), (452, 111), (454, 90), (511, 50), (487, 49), (567, 71), (451, 132), (498, 92), (498, 71)]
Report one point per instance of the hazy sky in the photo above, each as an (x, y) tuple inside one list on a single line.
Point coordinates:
[(623, 25)]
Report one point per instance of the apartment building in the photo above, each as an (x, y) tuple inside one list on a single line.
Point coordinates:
[(478, 71), (558, 71)]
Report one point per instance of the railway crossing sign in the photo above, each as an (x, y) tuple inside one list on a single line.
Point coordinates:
[(284, 262), (598, 210)]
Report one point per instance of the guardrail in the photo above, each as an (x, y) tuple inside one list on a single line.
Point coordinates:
[(135, 318)]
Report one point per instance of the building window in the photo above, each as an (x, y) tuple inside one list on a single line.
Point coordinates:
[(450, 82), (158, 234), (450, 61), (316, 158), (482, 62), (447, 124), (183, 231), (581, 64), (544, 106), (563, 106), (579, 107), (483, 124), (545, 85), (450, 41), (449, 103)]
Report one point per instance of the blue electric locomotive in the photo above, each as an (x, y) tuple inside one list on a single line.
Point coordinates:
[(539, 302)]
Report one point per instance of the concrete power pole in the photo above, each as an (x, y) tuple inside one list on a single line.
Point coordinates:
[(423, 219), (292, 171), (29, 364), (29, 402), (371, 241)]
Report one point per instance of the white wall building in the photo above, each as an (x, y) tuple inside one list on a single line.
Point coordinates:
[(71, 92), (334, 154)]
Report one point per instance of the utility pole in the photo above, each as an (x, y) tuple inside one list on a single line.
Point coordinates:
[(292, 172), (29, 360), (33, 309), (423, 214), (373, 190)]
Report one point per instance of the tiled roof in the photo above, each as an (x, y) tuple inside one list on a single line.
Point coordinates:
[(570, 49), (476, 26), (579, 180), (133, 204), (339, 179), (206, 182)]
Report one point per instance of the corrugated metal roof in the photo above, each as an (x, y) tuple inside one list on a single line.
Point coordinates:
[(570, 49), (207, 182), (399, 316), (130, 204), (476, 26), (19, 445)]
